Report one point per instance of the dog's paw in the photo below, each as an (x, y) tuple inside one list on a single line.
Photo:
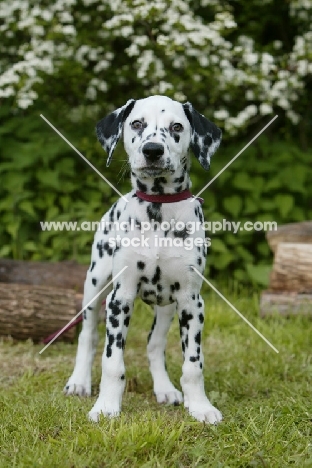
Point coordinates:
[(77, 389), (173, 397), (205, 413), (78, 386), (99, 410)]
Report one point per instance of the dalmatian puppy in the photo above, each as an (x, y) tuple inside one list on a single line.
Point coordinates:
[(157, 133)]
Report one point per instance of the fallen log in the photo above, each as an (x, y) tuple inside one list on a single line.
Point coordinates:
[(292, 268), (296, 233), (28, 311), (65, 275), (283, 303)]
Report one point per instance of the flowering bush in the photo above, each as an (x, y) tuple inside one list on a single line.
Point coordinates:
[(89, 52)]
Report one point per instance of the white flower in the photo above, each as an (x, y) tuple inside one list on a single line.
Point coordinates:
[(277, 45), (180, 97), (283, 103), (251, 58), (133, 50), (163, 87), (46, 15), (91, 93), (293, 116), (162, 40), (283, 74), (65, 17), (24, 102), (203, 60), (251, 110), (68, 29), (101, 65), (102, 86), (302, 67), (7, 92), (221, 114), (126, 31), (250, 95), (38, 30), (265, 109)]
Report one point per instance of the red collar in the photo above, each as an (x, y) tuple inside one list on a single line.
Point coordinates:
[(167, 198)]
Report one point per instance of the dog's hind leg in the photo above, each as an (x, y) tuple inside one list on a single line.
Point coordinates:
[(191, 319), (164, 390)]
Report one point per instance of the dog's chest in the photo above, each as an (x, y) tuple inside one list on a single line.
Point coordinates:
[(164, 238), (164, 229)]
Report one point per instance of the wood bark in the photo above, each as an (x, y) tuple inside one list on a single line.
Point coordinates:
[(292, 268), (35, 312), (283, 303), (293, 233), (68, 275)]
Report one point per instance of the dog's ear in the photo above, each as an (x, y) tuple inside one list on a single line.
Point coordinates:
[(205, 137), (109, 129)]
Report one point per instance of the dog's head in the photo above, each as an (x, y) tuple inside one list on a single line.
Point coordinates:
[(157, 134)]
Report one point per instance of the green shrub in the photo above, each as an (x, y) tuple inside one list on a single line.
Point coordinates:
[(270, 181), (43, 179)]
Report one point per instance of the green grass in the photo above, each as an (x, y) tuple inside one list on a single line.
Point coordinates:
[(266, 400)]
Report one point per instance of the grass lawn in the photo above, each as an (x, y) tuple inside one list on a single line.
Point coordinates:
[(265, 398)]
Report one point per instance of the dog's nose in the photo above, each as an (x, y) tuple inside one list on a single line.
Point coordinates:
[(153, 151)]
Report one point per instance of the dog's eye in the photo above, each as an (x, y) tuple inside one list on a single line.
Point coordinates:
[(177, 127), (136, 125)]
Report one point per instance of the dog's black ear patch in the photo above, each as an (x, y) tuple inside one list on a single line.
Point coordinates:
[(206, 136), (109, 129)]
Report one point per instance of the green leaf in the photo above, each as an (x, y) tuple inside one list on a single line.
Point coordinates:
[(28, 208), (231, 239), (298, 214), (285, 204), (251, 206), (233, 205), (243, 181), (267, 204), (240, 275), (273, 183), (52, 213), (66, 166), (49, 178), (263, 248), (244, 253), (223, 260), (30, 246), (13, 228), (294, 178), (16, 179), (217, 245), (5, 250), (258, 184), (259, 273)]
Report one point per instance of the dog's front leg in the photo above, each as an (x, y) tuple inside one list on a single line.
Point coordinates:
[(79, 382), (191, 319), (118, 313)]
